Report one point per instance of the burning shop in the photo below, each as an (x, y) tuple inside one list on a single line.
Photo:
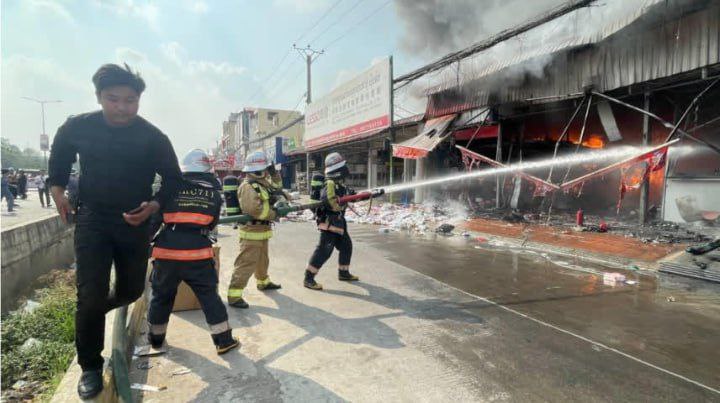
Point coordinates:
[(633, 83)]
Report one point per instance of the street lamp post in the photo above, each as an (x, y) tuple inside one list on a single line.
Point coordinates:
[(42, 103)]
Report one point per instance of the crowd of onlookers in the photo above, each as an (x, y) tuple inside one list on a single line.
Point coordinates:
[(15, 186)]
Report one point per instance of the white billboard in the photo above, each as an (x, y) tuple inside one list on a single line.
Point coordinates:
[(353, 110)]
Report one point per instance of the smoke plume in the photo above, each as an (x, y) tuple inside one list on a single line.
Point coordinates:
[(436, 27)]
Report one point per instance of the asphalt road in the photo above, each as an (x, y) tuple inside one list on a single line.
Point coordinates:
[(441, 320)]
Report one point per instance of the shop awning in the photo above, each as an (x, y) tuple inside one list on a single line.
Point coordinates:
[(482, 132), (433, 133)]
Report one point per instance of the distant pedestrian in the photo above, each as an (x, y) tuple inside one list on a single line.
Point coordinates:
[(43, 191), (73, 187), (22, 185), (12, 182), (120, 152), (6, 193)]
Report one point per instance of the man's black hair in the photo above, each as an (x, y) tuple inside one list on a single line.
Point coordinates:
[(112, 75)]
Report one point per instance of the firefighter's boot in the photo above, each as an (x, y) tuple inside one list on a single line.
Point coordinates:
[(344, 275), (310, 281), (225, 342), (238, 303), (156, 340), (265, 285)]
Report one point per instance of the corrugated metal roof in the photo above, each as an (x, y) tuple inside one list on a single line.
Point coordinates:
[(583, 26), (546, 61)]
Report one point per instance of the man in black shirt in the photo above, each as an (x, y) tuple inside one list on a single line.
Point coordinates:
[(120, 153)]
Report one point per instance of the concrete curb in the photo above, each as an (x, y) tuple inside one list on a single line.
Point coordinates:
[(30, 250)]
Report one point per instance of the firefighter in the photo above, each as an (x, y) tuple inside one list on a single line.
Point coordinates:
[(256, 199), (332, 225), (230, 185), (183, 251), (316, 186)]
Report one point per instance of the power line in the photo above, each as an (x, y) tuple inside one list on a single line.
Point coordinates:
[(282, 60), (344, 34), (275, 69), (342, 16), (319, 20), (282, 83), (491, 41)]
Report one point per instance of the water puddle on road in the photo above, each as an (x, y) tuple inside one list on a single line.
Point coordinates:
[(507, 274)]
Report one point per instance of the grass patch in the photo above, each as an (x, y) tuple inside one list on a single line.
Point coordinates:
[(42, 362)]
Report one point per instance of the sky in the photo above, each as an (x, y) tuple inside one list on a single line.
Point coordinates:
[(203, 59)]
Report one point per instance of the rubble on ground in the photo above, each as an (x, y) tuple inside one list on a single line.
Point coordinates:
[(417, 218), (431, 215), (656, 232)]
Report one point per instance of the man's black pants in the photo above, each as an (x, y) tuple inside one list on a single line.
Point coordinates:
[(202, 278), (100, 241), (328, 242)]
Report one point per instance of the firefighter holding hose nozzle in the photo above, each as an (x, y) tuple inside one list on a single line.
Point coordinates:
[(331, 223), (257, 199)]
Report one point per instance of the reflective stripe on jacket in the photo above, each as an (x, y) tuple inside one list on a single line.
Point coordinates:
[(183, 217), (182, 254)]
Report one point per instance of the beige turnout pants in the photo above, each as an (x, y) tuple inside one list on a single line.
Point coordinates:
[(253, 258)]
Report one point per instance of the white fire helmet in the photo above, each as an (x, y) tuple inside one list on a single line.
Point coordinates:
[(333, 162), (256, 162), (196, 160)]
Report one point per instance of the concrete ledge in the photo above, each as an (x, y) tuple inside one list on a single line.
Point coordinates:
[(31, 250)]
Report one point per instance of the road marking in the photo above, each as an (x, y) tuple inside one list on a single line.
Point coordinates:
[(559, 329)]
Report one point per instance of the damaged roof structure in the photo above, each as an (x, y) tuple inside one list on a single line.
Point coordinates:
[(634, 73)]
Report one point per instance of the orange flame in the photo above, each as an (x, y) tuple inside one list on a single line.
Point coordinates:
[(594, 142)]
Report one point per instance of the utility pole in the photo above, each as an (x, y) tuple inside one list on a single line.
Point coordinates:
[(43, 147), (310, 56)]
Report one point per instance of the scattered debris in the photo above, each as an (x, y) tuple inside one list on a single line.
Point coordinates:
[(613, 279), (671, 299), (144, 365), (466, 234), (445, 229), (513, 217), (701, 265), (19, 384), (703, 248), (147, 388), (149, 350), (29, 306), (30, 343), (603, 227), (180, 371)]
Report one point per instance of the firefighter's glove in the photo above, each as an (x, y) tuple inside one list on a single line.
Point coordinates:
[(280, 204)]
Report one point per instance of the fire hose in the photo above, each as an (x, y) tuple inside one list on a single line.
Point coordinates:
[(285, 210)]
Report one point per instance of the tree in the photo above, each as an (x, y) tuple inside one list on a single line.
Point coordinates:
[(13, 156)]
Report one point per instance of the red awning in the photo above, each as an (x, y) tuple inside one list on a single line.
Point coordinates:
[(433, 133), (483, 132), (472, 159)]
